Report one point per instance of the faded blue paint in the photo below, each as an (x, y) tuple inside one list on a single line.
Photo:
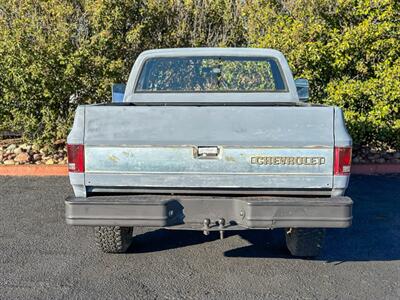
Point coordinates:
[(143, 145)]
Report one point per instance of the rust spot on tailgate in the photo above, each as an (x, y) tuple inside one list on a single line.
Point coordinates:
[(230, 158), (113, 158)]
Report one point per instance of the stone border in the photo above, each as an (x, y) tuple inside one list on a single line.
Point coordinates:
[(12, 152), (61, 170)]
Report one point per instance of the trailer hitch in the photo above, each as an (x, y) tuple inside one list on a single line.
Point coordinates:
[(221, 225), (206, 226)]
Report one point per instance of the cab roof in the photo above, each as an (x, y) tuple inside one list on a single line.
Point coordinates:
[(290, 95), (212, 52)]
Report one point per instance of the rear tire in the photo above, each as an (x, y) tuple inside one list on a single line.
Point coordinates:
[(113, 239), (304, 242)]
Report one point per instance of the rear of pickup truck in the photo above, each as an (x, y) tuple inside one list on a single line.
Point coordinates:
[(209, 167)]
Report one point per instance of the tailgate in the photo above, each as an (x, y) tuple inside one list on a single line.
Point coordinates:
[(208, 147)]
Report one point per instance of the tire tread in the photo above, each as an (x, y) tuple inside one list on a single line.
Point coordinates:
[(305, 242), (113, 239)]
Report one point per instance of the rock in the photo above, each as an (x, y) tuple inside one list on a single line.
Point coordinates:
[(9, 162), (38, 162), (17, 150), (59, 142), (35, 148), (373, 150), (391, 151), (36, 157), (381, 160), (364, 150), (45, 150), (11, 147), (49, 162), (22, 157), (10, 156)]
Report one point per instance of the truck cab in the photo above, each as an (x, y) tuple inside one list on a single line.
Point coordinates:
[(210, 139)]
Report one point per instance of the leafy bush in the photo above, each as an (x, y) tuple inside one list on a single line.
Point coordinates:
[(57, 54), (350, 52)]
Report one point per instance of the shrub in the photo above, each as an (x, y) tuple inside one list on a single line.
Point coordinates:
[(57, 54), (349, 50)]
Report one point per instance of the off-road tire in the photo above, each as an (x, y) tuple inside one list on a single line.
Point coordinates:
[(304, 242), (113, 239)]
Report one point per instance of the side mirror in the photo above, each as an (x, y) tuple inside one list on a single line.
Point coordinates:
[(302, 89), (118, 91)]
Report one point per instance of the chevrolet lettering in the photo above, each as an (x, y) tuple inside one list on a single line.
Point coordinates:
[(281, 160), (209, 139)]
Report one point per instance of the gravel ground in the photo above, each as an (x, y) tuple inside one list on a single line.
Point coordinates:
[(42, 258)]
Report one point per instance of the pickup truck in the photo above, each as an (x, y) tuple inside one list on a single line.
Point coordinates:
[(210, 139)]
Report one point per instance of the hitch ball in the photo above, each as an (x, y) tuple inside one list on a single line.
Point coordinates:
[(206, 226)]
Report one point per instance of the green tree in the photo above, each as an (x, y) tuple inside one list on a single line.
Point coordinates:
[(56, 54), (38, 45), (348, 49)]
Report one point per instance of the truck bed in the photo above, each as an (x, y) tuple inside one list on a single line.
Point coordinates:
[(260, 149)]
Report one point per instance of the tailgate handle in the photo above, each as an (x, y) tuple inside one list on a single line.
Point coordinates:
[(206, 152)]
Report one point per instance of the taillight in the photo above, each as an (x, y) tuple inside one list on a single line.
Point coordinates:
[(76, 158), (342, 162)]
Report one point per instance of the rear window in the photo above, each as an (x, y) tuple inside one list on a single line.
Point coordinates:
[(210, 74)]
